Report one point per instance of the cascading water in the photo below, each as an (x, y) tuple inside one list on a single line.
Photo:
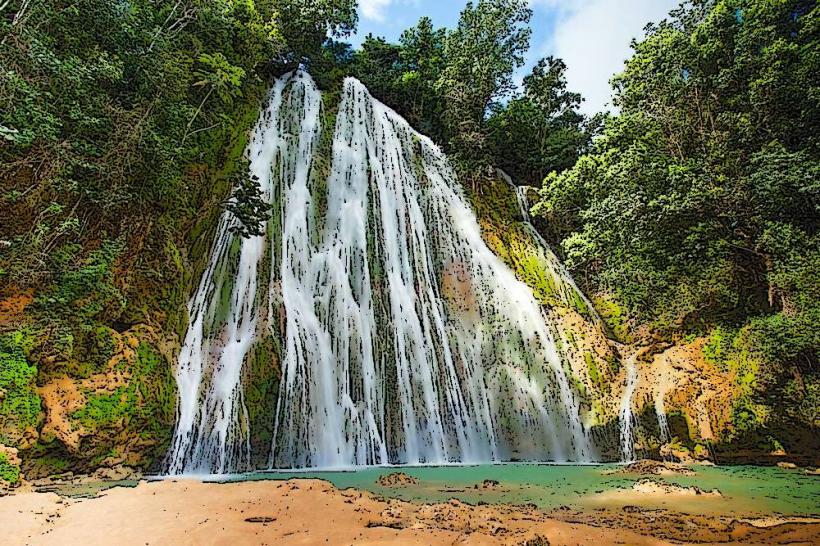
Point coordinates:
[(626, 418), (663, 422), (405, 339), (564, 282), (211, 431)]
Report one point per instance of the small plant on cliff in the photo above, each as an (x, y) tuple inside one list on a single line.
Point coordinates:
[(248, 206)]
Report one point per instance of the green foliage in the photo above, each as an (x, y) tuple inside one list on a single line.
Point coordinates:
[(540, 131), (263, 375), (105, 108), (405, 75), (9, 472), (84, 288), (699, 196), (307, 23), (697, 208), (119, 129), (452, 84), (19, 402), (220, 75), (481, 53), (248, 206)]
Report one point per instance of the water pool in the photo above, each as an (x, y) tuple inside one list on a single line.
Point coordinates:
[(745, 490)]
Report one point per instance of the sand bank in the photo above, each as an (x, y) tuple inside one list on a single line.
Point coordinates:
[(314, 512)]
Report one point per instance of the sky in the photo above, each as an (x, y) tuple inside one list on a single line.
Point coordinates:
[(592, 36)]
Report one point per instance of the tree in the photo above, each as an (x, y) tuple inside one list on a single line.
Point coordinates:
[(404, 75), (698, 207), (541, 130), (127, 104), (306, 24), (248, 206), (671, 209), (216, 74), (481, 53), (422, 60), (376, 64)]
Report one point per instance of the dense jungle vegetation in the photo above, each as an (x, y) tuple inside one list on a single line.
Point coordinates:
[(697, 209), (692, 211)]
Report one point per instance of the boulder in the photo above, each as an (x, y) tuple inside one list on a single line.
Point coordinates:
[(396, 479)]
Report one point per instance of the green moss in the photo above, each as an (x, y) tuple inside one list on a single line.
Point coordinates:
[(598, 413), (224, 278), (200, 236), (19, 402), (677, 445), (580, 388), (592, 369), (52, 464), (531, 269), (145, 407), (106, 410), (8, 472), (156, 390), (262, 388), (91, 349), (515, 242), (701, 451), (322, 164), (614, 317), (614, 364), (571, 339), (717, 347), (175, 290), (579, 304)]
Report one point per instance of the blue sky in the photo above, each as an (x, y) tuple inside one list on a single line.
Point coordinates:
[(592, 36)]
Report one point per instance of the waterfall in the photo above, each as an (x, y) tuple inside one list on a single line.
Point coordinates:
[(626, 419), (663, 423), (565, 284), (520, 196), (405, 339)]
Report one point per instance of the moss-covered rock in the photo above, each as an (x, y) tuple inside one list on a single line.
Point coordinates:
[(592, 365), (9, 468), (20, 411), (121, 413), (262, 374)]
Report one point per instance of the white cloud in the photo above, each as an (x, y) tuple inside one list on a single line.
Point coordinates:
[(374, 9), (593, 37)]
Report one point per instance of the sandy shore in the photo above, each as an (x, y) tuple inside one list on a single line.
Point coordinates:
[(314, 512)]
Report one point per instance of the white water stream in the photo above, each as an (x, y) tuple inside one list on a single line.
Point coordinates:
[(663, 422), (626, 418)]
